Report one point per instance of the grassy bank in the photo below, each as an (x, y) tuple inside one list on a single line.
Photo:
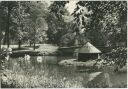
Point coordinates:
[(11, 79), (20, 74)]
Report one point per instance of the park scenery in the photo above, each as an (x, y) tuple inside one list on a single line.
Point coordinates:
[(63, 44)]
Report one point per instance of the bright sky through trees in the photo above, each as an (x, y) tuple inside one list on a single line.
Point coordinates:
[(71, 6)]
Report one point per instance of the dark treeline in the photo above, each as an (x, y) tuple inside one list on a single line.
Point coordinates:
[(22, 22), (103, 23)]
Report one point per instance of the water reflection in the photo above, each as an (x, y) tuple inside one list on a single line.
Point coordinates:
[(75, 75)]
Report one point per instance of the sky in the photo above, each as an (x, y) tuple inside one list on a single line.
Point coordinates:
[(71, 5)]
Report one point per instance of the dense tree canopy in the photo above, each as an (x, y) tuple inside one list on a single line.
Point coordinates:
[(103, 23), (104, 20), (20, 21), (57, 27)]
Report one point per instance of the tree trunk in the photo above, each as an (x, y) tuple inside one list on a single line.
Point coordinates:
[(0, 38), (7, 29), (0, 47), (34, 38), (77, 36), (77, 39), (30, 43), (5, 37), (19, 44), (34, 47)]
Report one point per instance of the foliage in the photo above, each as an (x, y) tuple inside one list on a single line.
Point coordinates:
[(105, 18), (22, 19), (57, 27), (119, 56), (14, 80), (57, 8), (36, 23), (7, 9), (22, 76), (102, 22), (30, 74), (105, 25), (67, 39)]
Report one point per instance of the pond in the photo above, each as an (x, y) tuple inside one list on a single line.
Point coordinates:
[(49, 74)]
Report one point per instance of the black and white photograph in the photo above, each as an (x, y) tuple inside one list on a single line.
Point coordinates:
[(63, 44)]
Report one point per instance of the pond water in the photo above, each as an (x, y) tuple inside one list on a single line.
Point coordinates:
[(63, 76)]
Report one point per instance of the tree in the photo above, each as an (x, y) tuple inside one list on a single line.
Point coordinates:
[(42, 28), (57, 27), (1, 21), (8, 9), (105, 15), (36, 10), (81, 20), (19, 18), (0, 37)]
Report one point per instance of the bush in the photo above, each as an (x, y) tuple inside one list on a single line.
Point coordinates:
[(119, 56)]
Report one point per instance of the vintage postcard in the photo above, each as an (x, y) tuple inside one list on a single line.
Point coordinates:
[(63, 44)]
